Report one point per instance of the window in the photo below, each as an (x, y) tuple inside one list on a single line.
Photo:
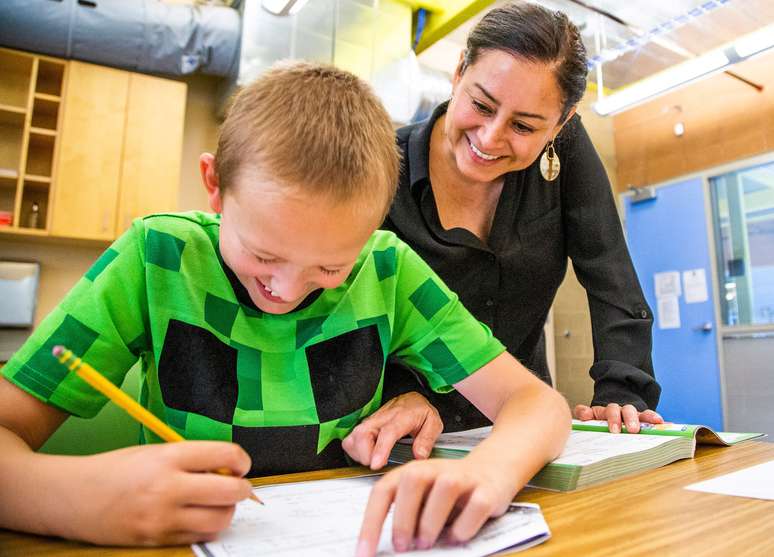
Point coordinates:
[(743, 222)]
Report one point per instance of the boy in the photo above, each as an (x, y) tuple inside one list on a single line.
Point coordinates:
[(267, 325)]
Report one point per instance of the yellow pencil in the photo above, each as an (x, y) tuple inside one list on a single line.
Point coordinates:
[(135, 410)]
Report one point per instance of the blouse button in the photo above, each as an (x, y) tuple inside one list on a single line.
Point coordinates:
[(489, 303)]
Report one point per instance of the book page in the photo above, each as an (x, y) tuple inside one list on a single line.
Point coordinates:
[(588, 447), (583, 447), (323, 518), (754, 482), (705, 435)]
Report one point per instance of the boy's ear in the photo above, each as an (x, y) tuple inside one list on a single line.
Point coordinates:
[(210, 180)]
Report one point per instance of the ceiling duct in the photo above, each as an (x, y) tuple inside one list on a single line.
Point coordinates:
[(139, 35)]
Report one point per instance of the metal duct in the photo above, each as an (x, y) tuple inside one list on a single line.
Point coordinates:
[(139, 35)]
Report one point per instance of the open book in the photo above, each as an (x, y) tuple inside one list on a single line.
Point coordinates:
[(592, 453)]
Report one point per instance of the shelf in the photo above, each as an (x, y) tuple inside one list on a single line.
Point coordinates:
[(11, 108), (37, 179), (43, 131), (8, 174), (45, 112), (12, 115), (50, 77), (15, 83), (40, 155), (23, 231), (47, 97)]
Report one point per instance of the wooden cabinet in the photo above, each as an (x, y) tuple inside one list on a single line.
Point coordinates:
[(153, 143), (89, 165), (30, 108), (93, 147)]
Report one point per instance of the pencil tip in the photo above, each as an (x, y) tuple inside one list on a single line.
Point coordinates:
[(57, 350)]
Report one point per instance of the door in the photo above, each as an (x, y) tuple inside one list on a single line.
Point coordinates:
[(89, 166), (668, 234), (153, 146)]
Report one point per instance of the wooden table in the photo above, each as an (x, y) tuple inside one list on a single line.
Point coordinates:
[(644, 514)]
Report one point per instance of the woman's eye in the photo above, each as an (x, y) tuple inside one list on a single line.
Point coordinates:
[(521, 128), (263, 260), (482, 108), (330, 272)]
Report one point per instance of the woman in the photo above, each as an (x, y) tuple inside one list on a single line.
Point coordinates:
[(500, 186)]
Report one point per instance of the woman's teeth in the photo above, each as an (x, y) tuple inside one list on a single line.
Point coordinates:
[(481, 154)]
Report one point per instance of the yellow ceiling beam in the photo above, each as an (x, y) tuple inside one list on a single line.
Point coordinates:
[(429, 5), (446, 17)]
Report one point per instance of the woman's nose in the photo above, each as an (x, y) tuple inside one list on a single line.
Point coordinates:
[(490, 136)]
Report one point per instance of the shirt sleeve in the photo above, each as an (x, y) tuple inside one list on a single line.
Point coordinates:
[(102, 319), (620, 317), (433, 332)]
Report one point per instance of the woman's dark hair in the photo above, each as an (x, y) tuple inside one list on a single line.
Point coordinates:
[(536, 34)]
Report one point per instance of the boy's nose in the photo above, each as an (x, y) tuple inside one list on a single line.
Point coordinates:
[(288, 287)]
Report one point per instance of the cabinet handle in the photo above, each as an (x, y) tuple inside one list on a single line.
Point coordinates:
[(88, 3)]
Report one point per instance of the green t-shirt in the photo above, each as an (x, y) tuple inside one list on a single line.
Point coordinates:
[(214, 366)]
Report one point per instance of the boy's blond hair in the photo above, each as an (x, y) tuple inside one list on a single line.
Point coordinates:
[(314, 127)]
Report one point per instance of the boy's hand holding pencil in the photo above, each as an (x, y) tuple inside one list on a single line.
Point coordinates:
[(134, 409)]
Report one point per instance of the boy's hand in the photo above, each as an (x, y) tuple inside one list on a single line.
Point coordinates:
[(430, 494), (155, 494), (372, 440), (615, 414)]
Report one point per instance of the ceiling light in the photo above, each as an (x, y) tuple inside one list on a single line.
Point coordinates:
[(283, 7), (682, 74), (755, 42), (662, 82)]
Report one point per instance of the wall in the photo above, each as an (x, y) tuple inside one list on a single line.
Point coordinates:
[(725, 120), (572, 323)]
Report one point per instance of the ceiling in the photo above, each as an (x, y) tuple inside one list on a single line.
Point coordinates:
[(679, 30)]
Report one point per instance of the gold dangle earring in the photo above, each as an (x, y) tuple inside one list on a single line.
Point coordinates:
[(549, 163)]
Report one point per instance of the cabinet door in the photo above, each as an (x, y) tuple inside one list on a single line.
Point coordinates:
[(89, 166), (153, 143)]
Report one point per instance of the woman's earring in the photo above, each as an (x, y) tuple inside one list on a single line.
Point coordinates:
[(549, 163)]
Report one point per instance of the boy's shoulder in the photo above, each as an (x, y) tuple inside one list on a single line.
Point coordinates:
[(384, 243), (179, 228), (188, 220)]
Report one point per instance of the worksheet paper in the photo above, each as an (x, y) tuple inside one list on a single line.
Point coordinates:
[(323, 518), (756, 482)]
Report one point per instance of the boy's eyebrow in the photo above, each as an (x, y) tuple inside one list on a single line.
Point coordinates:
[(495, 101)]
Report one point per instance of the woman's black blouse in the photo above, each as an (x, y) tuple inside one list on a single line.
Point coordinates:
[(510, 283)]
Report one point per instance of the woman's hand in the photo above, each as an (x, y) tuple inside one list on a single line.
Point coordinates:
[(153, 494), (411, 414), (430, 494), (614, 414)]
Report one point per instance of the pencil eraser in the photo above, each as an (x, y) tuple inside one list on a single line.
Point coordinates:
[(57, 350)]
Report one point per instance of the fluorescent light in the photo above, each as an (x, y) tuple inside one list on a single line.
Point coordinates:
[(755, 42), (283, 7), (688, 71), (662, 82)]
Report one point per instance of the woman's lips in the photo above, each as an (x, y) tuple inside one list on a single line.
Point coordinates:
[(478, 158)]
